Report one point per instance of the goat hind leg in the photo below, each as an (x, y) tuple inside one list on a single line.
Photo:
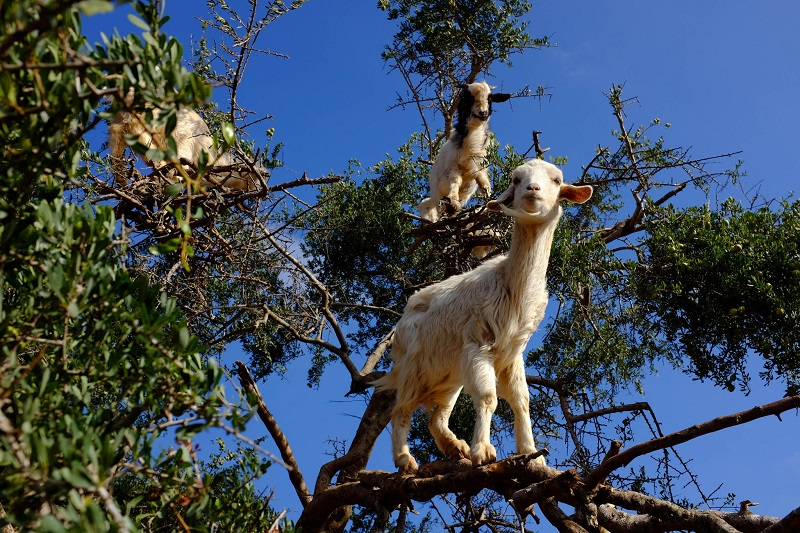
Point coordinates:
[(401, 425), (438, 417), (454, 180), (482, 179)]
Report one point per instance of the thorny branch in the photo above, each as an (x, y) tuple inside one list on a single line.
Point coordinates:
[(625, 457)]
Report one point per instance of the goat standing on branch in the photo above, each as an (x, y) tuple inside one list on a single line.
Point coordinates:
[(459, 168), (469, 331), (192, 137)]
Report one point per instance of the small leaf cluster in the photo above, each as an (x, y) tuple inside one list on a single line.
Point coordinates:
[(455, 36)]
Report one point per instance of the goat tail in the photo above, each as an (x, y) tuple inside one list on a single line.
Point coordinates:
[(385, 383)]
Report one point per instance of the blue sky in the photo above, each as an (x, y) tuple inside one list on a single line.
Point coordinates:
[(724, 74)]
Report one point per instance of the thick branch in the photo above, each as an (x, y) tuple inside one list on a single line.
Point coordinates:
[(559, 518), (789, 524), (396, 488), (655, 516), (375, 419), (523, 499)]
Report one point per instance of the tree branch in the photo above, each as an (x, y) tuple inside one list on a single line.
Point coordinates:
[(685, 435), (295, 476), (789, 524), (375, 419)]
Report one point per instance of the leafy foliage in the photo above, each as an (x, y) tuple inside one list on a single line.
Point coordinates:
[(356, 239), (459, 38), (97, 368), (724, 285), (441, 45)]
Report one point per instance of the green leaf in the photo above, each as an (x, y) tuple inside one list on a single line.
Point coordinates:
[(174, 189), (184, 336), (166, 247), (94, 7), (139, 23), (229, 133)]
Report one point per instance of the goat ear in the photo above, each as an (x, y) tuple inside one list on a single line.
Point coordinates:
[(506, 198), (499, 97), (577, 194)]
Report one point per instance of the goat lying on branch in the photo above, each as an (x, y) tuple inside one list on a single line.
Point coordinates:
[(469, 331), (192, 137)]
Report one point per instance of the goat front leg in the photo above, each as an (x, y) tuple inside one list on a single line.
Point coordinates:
[(513, 387), (482, 179), (429, 209), (454, 180), (482, 386), (438, 417), (116, 147)]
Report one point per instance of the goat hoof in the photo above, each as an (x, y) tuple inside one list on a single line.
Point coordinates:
[(482, 453), (539, 460), (406, 464), (458, 449), (450, 206)]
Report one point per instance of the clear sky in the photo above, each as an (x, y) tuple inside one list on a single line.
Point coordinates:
[(725, 74)]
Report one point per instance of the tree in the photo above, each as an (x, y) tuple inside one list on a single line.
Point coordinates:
[(98, 364), (117, 299)]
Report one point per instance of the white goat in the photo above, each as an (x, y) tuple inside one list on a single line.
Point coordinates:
[(459, 168), (192, 137), (469, 331)]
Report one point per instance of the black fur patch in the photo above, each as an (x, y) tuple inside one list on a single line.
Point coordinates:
[(465, 102)]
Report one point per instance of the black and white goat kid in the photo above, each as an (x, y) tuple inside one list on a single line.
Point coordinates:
[(459, 168)]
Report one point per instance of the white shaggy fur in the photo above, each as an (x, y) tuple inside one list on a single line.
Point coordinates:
[(192, 137), (459, 168), (469, 331)]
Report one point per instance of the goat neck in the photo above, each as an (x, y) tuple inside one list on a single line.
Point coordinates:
[(528, 256), (473, 141)]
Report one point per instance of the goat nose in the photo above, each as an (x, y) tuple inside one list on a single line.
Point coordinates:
[(534, 187)]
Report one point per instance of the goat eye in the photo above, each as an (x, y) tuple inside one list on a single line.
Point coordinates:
[(515, 181)]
